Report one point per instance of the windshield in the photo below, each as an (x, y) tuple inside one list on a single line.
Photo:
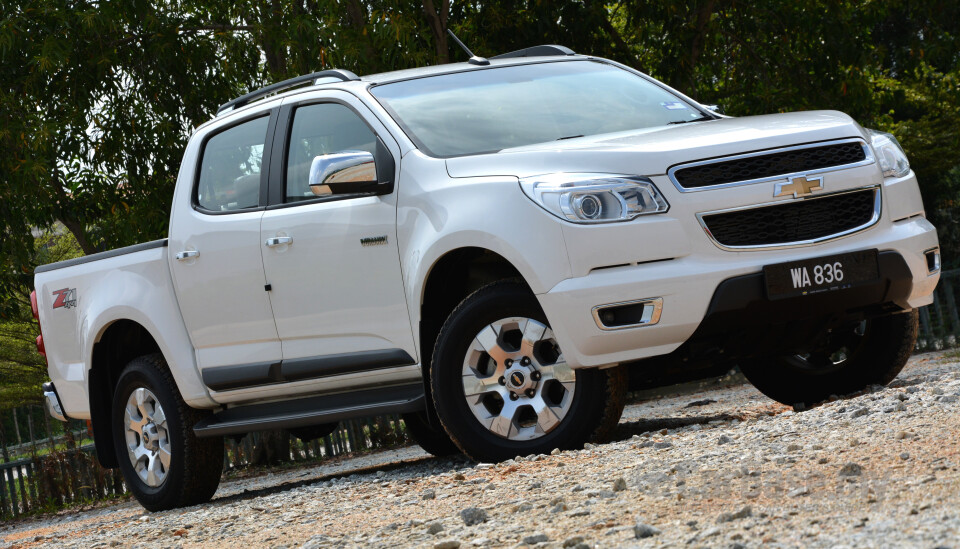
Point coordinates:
[(493, 109)]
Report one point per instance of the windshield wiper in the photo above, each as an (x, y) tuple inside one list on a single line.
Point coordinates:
[(701, 119), (569, 137)]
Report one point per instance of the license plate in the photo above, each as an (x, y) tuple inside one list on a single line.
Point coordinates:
[(822, 274)]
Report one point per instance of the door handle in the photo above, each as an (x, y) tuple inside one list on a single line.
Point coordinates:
[(279, 241), (187, 254)]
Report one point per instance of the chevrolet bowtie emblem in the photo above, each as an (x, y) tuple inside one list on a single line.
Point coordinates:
[(798, 186)]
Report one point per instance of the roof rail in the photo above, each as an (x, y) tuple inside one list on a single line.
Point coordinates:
[(343, 75), (537, 51)]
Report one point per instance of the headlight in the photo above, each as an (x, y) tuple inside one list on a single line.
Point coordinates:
[(594, 198), (893, 161)]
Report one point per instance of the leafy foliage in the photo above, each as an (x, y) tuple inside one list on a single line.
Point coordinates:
[(22, 369), (893, 66)]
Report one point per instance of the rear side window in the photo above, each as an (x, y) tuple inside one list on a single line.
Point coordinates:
[(230, 168)]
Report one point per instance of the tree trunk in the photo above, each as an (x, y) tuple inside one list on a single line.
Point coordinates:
[(696, 47), (273, 49), (16, 427), (3, 442), (357, 15), (438, 26), (272, 448), (46, 423), (76, 228), (33, 439), (600, 11), (73, 225)]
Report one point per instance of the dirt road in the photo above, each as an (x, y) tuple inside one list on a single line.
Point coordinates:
[(724, 467)]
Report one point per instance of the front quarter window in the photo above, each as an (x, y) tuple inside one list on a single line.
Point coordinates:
[(489, 110)]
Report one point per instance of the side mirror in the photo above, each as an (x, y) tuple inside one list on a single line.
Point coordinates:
[(343, 172)]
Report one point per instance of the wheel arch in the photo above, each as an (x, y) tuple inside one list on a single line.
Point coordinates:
[(119, 342), (124, 334), (450, 279)]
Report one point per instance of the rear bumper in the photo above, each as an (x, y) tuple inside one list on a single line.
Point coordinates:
[(52, 401), (687, 287)]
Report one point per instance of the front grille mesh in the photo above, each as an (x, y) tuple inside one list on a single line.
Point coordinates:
[(794, 221), (770, 165)]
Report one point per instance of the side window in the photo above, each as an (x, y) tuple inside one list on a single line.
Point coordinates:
[(230, 168), (322, 129)]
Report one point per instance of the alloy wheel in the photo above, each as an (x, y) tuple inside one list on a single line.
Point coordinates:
[(147, 437), (515, 380)]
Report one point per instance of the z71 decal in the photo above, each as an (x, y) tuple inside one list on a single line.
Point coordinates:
[(66, 298)]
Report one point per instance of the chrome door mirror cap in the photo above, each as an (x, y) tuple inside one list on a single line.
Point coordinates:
[(343, 172)]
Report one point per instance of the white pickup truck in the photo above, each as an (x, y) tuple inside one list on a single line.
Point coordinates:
[(493, 249)]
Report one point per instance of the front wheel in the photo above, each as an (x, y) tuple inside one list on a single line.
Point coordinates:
[(852, 358), (163, 463), (502, 388)]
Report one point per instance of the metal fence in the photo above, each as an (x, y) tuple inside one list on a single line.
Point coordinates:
[(56, 469), (55, 480)]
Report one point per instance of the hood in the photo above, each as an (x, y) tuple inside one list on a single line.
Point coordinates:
[(652, 151)]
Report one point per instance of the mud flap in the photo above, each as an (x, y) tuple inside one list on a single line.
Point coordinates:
[(101, 395)]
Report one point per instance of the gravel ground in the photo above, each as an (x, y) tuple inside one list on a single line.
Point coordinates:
[(722, 467)]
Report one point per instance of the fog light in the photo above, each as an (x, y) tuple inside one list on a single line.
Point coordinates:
[(628, 314), (607, 317)]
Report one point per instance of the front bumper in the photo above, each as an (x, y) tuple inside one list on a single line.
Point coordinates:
[(687, 286), (52, 401)]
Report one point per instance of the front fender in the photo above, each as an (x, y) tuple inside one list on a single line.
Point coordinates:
[(438, 214)]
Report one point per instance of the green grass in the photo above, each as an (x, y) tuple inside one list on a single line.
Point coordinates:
[(43, 448)]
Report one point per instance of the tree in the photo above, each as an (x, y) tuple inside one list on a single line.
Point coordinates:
[(893, 66), (95, 108), (98, 99), (22, 368)]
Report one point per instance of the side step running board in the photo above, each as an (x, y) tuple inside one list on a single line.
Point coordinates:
[(315, 410)]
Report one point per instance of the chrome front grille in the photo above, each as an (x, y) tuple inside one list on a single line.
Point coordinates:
[(795, 222), (766, 165)]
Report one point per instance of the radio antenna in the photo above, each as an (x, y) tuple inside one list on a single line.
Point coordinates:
[(474, 59)]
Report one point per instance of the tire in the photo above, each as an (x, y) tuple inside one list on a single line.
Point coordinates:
[(192, 470), (584, 405), (313, 432), (430, 436), (868, 353)]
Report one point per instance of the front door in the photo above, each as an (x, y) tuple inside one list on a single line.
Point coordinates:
[(216, 260), (332, 261)]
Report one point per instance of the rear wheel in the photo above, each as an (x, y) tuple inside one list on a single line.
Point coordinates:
[(850, 359), (163, 463), (429, 434), (502, 388)]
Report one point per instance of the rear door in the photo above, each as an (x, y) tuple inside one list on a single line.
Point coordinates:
[(336, 286), (216, 259)]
